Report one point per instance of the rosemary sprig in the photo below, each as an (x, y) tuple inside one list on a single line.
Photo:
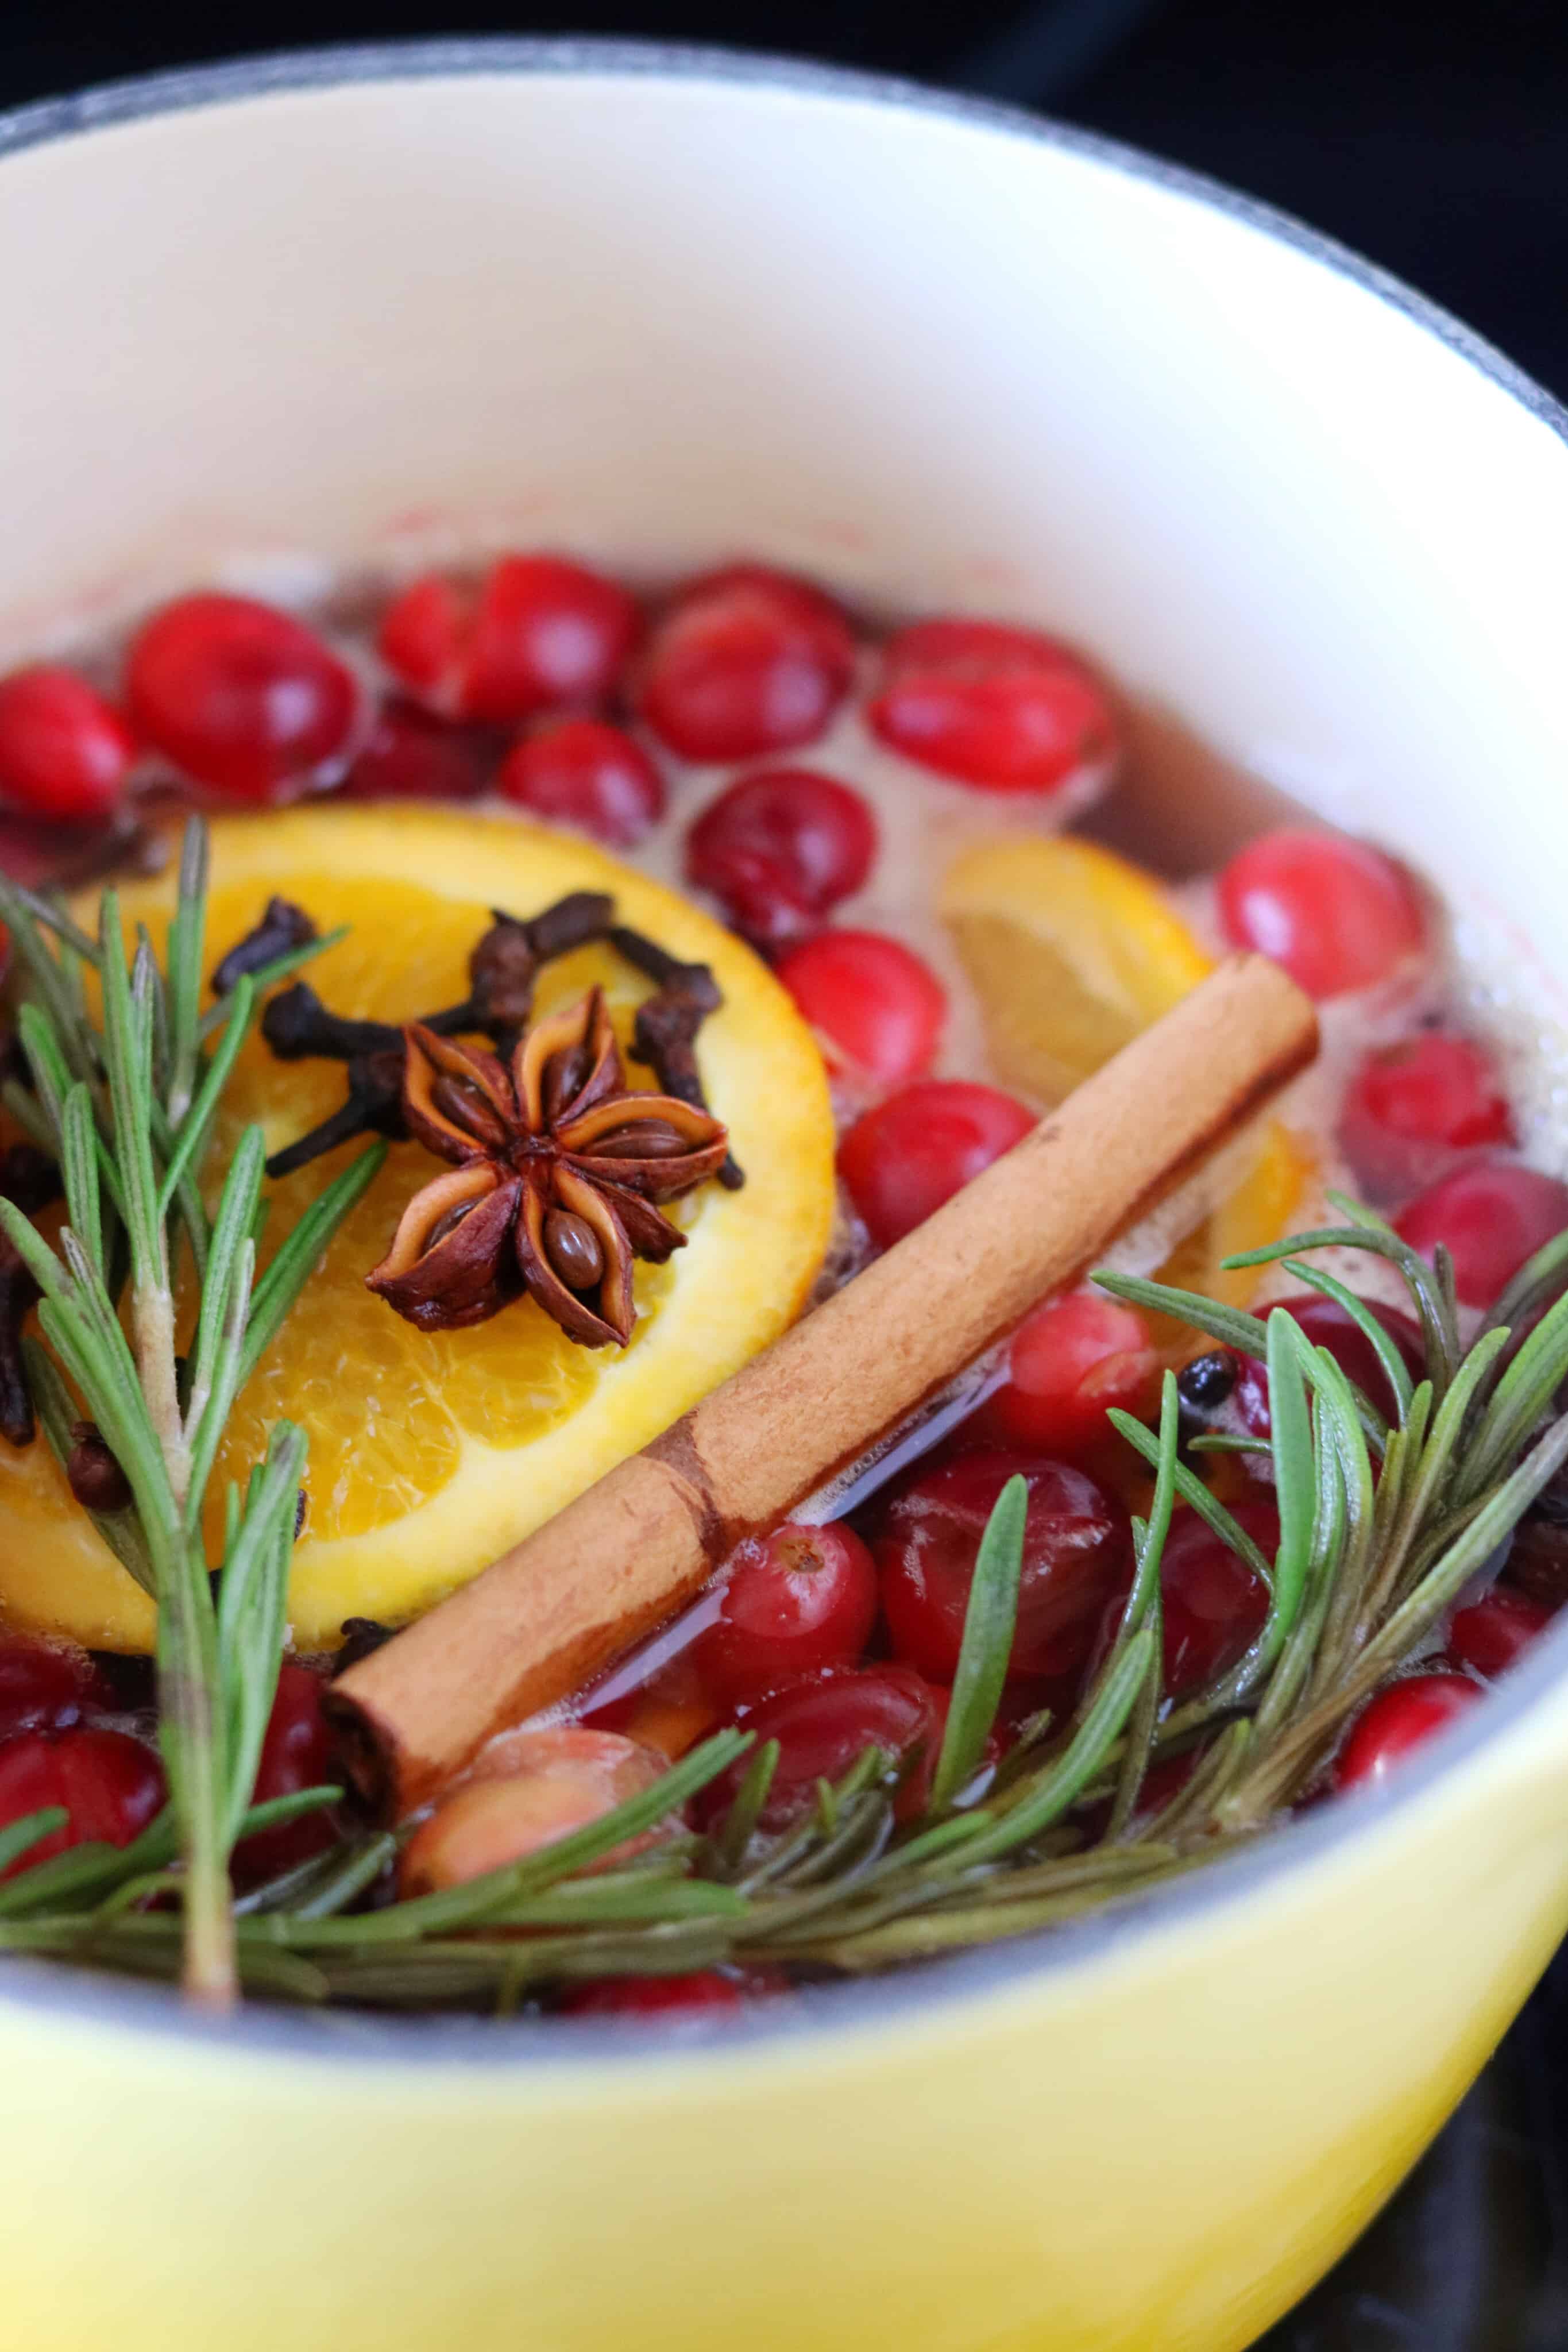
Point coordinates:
[(1382, 1524), (129, 1103)]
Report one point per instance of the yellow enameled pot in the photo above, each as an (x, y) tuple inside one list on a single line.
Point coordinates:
[(676, 308)]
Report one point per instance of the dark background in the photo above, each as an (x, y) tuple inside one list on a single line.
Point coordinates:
[(1433, 136)]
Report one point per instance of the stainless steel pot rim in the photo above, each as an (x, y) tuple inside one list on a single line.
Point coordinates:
[(881, 2003)]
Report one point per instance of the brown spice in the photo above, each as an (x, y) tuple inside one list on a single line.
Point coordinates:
[(556, 1170), (558, 1607)]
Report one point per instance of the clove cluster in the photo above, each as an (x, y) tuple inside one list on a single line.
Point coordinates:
[(503, 972)]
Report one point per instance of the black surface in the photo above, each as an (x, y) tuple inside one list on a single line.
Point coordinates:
[(1433, 139)]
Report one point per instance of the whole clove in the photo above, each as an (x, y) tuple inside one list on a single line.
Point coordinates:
[(283, 926)]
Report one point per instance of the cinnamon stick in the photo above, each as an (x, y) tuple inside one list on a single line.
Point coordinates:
[(638, 1545)]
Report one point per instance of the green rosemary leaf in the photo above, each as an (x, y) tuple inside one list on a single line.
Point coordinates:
[(1368, 1233), (131, 1095), (989, 1620), (18, 1838), (186, 956), (328, 1883), (78, 1172), (299, 1256), (266, 976), (1536, 1285), (1295, 1477), (745, 1809), (1144, 1606), (29, 1114), (253, 1603), (1216, 1440), (224, 1374), (52, 916), (1376, 1334), (600, 1902), (1047, 1797), (275, 1812), (194, 1129), (1227, 1325), (45, 978), (57, 1410), (1521, 1396), (1194, 1492)]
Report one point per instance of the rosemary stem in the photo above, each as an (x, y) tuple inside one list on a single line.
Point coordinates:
[(152, 1325)]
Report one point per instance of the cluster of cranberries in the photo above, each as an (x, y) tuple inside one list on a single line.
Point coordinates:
[(68, 1739)]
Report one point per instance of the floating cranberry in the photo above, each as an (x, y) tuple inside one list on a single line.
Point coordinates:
[(43, 1688), (1077, 1553), (546, 633), (410, 755), (244, 700), (824, 1725), (528, 1789), (903, 1160), (797, 1599), (1492, 1217), (580, 771), (1413, 1109), (295, 1753), (746, 662), (1214, 1605), (423, 638), (1070, 1362), (702, 1991), (1007, 708), (872, 998), (1494, 1632), (110, 1785), (781, 848), (538, 634), (1337, 913), (1396, 1721), (64, 752)]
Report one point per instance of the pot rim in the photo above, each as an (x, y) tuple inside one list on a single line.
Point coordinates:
[(882, 2002)]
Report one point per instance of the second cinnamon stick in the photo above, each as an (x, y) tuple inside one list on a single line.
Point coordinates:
[(633, 1549)]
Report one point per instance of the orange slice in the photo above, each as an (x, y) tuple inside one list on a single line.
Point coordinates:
[(1072, 951), (430, 1453)]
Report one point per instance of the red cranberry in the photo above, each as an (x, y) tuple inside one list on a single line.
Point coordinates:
[(1337, 914), (1492, 1216), (1214, 1605), (1412, 1110), (781, 848), (64, 752), (409, 755), (297, 1753), (702, 1990), (824, 1725), (746, 662), (1494, 1632), (1003, 708), (423, 636), (244, 700), (538, 634), (872, 999), (1398, 1720), (46, 1689), (903, 1160), (1327, 1325), (797, 1599), (580, 771), (1070, 1362), (546, 633), (110, 1785), (1077, 1552)]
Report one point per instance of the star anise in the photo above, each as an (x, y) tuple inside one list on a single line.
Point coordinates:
[(555, 1168)]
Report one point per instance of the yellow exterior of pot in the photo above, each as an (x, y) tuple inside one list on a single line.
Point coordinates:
[(1154, 2146)]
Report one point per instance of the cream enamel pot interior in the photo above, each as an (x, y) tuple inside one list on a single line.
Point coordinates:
[(680, 307)]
